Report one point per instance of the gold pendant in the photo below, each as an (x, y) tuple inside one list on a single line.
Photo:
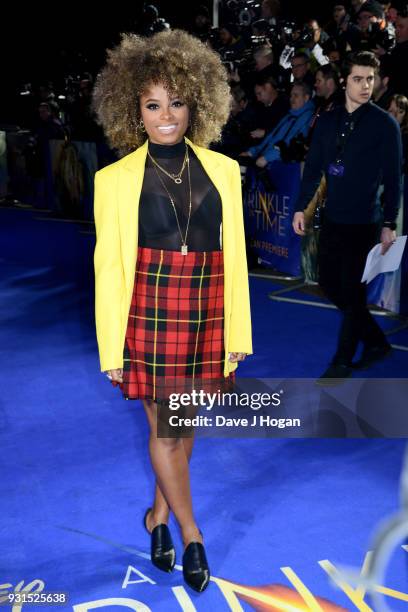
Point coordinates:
[(184, 249), (178, 181)]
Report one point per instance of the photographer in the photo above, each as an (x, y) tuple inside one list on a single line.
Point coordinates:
[(202, 23), (242, 121), (270, 10), (320, 37), (232, 43), (81, 118), (374, 35), (382, 93), (398, 108), (327, 87), (293, 125), (342, 31), (301, 71), (274, 106), (264, 64)]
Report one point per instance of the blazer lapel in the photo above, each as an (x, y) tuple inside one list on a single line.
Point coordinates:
[(129, 189)]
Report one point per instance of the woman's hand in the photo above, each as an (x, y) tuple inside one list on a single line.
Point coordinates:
[(115, 375), (233, 357)]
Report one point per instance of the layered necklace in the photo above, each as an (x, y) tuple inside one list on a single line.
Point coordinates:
[(177, 179)]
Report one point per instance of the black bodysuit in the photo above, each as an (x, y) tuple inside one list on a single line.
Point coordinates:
[(157, 221)]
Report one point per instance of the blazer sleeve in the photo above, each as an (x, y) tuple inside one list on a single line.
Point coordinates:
[(240, 337), (109, 278)]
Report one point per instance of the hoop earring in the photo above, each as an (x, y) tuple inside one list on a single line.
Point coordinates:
[(140, 126)]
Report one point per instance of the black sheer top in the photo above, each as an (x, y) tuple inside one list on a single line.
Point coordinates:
[(158, 227)]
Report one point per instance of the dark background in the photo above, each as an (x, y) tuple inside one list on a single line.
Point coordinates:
[(42, 41), (37, 35)]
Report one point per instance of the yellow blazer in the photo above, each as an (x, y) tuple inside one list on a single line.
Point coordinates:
[(116, 209)]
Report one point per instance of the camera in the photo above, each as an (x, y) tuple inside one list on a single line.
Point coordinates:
[(295, 151)]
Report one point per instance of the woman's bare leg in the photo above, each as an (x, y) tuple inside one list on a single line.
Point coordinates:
[(160, 509), (170, 457)]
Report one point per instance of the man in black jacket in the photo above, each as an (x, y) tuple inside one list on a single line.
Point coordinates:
[(357, 147)]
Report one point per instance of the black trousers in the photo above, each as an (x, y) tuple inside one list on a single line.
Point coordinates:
[(343, 250)]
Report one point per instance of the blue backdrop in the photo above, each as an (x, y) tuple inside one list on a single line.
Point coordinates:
[(268, 217)]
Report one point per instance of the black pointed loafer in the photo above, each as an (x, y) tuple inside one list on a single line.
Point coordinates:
[(162, 551), (195, 567)]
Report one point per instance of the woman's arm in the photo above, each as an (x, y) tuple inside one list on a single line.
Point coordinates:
[(109, 279)]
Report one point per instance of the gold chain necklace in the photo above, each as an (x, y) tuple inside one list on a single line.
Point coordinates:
[(175, 177), (184, 248)]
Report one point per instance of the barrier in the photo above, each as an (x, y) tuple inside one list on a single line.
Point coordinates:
[(268, 217), (73, 165), (3, 165), (270, 237), (404, 264)]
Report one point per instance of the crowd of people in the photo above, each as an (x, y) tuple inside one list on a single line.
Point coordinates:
[(283, 75)]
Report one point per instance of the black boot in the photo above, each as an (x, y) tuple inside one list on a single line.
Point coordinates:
[(163, 554), (195, 566)]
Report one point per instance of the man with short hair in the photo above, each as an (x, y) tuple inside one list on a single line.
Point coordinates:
[(328, 94), (274, 106), (263, 57), (265, 66), (357, 147), (301, 69), (296, 122), (327, 86), (382, 93)]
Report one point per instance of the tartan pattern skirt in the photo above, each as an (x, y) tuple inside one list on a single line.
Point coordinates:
[(175, 333)]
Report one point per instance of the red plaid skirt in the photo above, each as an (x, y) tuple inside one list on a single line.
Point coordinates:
[(175, 333)]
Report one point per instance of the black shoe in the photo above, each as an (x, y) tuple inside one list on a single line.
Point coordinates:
[(163, 554), (371, 355), (195, 566), (334, 375)]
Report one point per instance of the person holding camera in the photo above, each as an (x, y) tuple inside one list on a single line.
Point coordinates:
[(356, 147), (171, 280), (374, 34), (342, 31), (296, 123)]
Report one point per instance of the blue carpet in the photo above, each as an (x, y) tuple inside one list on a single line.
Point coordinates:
[(75, 470)]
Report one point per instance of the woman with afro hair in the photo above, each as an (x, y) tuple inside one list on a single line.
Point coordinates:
[(171, 280)]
